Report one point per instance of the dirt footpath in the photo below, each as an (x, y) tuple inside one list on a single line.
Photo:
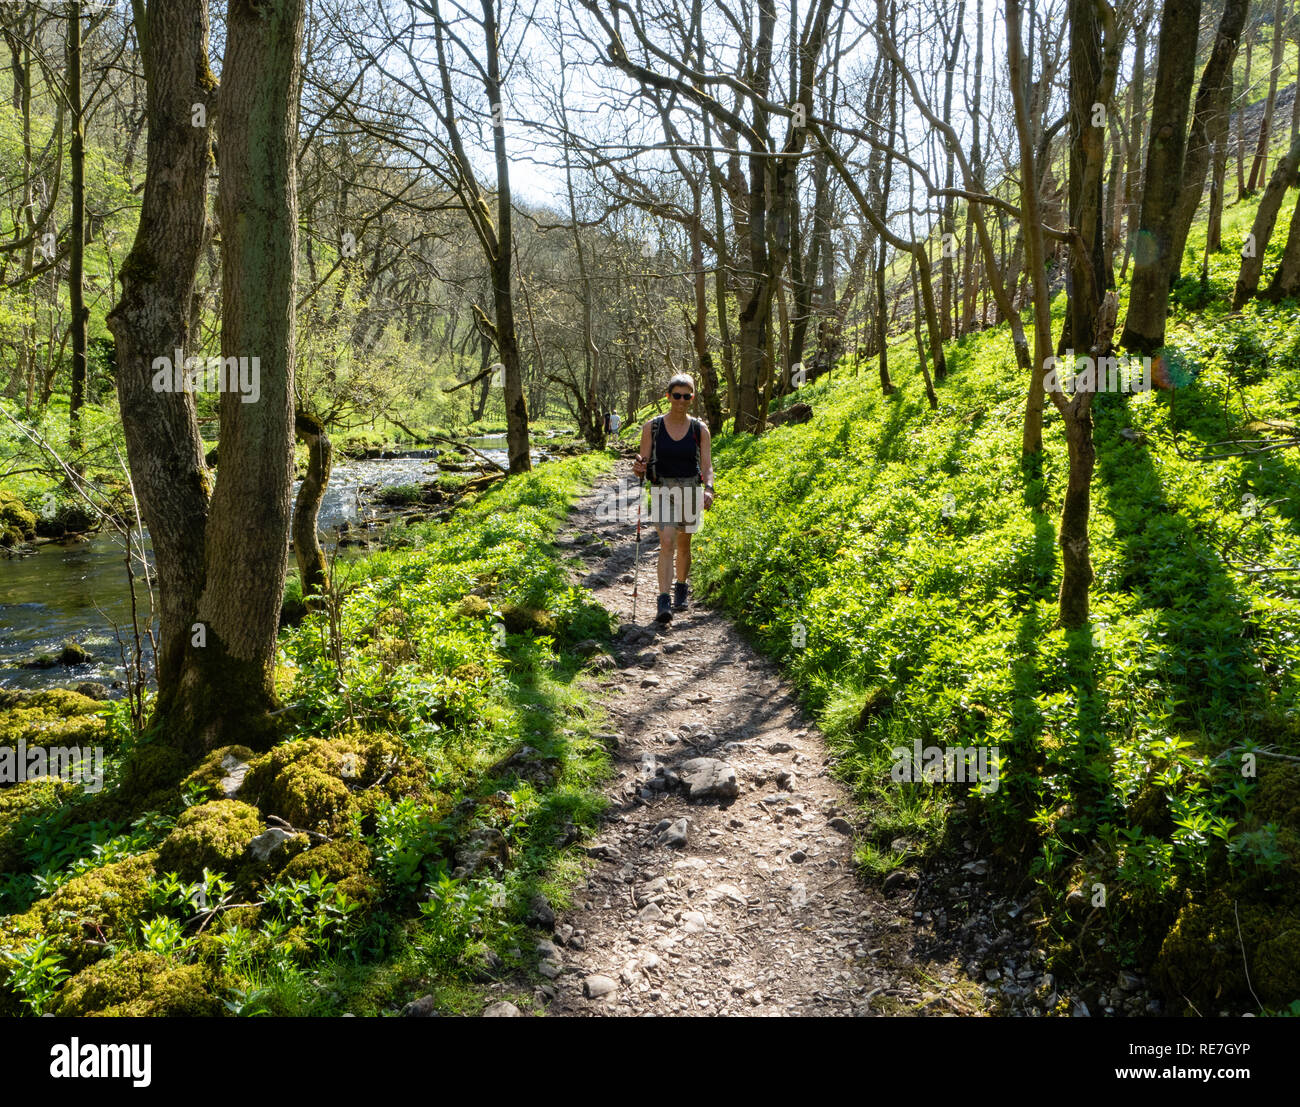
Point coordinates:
[(722, 881)]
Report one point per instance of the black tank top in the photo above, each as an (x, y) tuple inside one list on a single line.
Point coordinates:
[(676, 457)]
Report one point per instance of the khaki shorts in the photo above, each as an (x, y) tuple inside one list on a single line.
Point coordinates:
[(677, 502)]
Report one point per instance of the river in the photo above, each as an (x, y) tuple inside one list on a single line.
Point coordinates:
[(79, 591)]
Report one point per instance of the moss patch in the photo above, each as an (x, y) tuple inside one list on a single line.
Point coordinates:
[(54, 718), (318, 784), (101, 905), (213, 769), (139, 985), (520, 619), (345, 863), (212, 836), (1201, 960)]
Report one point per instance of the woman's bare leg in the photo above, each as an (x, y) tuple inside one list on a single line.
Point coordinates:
[(683, 556), (667, 544)]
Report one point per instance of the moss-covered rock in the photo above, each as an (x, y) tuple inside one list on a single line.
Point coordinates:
[(216, 767), (876, 703), (17, 524), (1201, 960), (151, 779), (54, 718), (317, 783), (520, 619), (139, 985), (473, 607), (19, 805), (210, 836), (345, 863), (101, 905)]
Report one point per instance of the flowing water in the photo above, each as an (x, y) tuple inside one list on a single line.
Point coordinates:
[(79, 591)]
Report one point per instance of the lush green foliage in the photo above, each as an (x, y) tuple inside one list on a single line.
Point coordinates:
[(429, 676), (904, 567)]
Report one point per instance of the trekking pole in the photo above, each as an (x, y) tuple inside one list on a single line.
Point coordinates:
[(636, 565)]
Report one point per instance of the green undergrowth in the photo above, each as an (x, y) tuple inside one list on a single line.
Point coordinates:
[(903, 566), (439, 760)]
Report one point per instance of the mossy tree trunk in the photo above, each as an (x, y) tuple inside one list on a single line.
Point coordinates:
[(306, 509), (1144, 327), (1252, 254), (227, 689), (1211, 103), (1286, 281), (164, 447), (77, 259)]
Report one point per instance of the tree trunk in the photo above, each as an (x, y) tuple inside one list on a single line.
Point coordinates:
[(1258, 168), (1136, 134), (227, 683), (1241, 119), (1076, 564), (163, 444), (77, 257), (306, 509), (1144, 328), (1219, 172), (1211, 103), (1252, 254), (1286, 281), (1089, 92)]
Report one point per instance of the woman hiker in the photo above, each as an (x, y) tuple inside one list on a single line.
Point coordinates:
[(675, 453)]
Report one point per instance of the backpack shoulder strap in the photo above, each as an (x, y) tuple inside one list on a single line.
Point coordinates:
[(651, 471)]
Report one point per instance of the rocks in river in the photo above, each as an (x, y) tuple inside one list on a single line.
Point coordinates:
[(71, 653), (709, 778), (92, 690)]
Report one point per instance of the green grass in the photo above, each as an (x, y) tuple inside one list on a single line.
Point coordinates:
[(453, 682), (916, 560)]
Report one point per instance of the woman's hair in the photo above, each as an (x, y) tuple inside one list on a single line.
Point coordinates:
[(682, 378)]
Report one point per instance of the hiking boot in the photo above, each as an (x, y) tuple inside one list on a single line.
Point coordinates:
[(665, 610), (679, 595)]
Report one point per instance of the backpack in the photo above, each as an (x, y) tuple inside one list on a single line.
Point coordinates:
[(651, 470)]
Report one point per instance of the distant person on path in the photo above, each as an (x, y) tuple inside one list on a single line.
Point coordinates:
[(614, 422), (675, 453)]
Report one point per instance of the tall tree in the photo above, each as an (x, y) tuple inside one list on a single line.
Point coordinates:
[(164, 447), (227, 682), (1259, 167), (1211, 104), (1144, 326)]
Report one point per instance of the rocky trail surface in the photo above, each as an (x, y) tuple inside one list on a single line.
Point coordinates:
[(722, 879)]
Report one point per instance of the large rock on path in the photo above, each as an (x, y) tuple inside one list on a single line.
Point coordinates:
[(709, 778)]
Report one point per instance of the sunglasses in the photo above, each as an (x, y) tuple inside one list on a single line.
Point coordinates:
[(681, 395)]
